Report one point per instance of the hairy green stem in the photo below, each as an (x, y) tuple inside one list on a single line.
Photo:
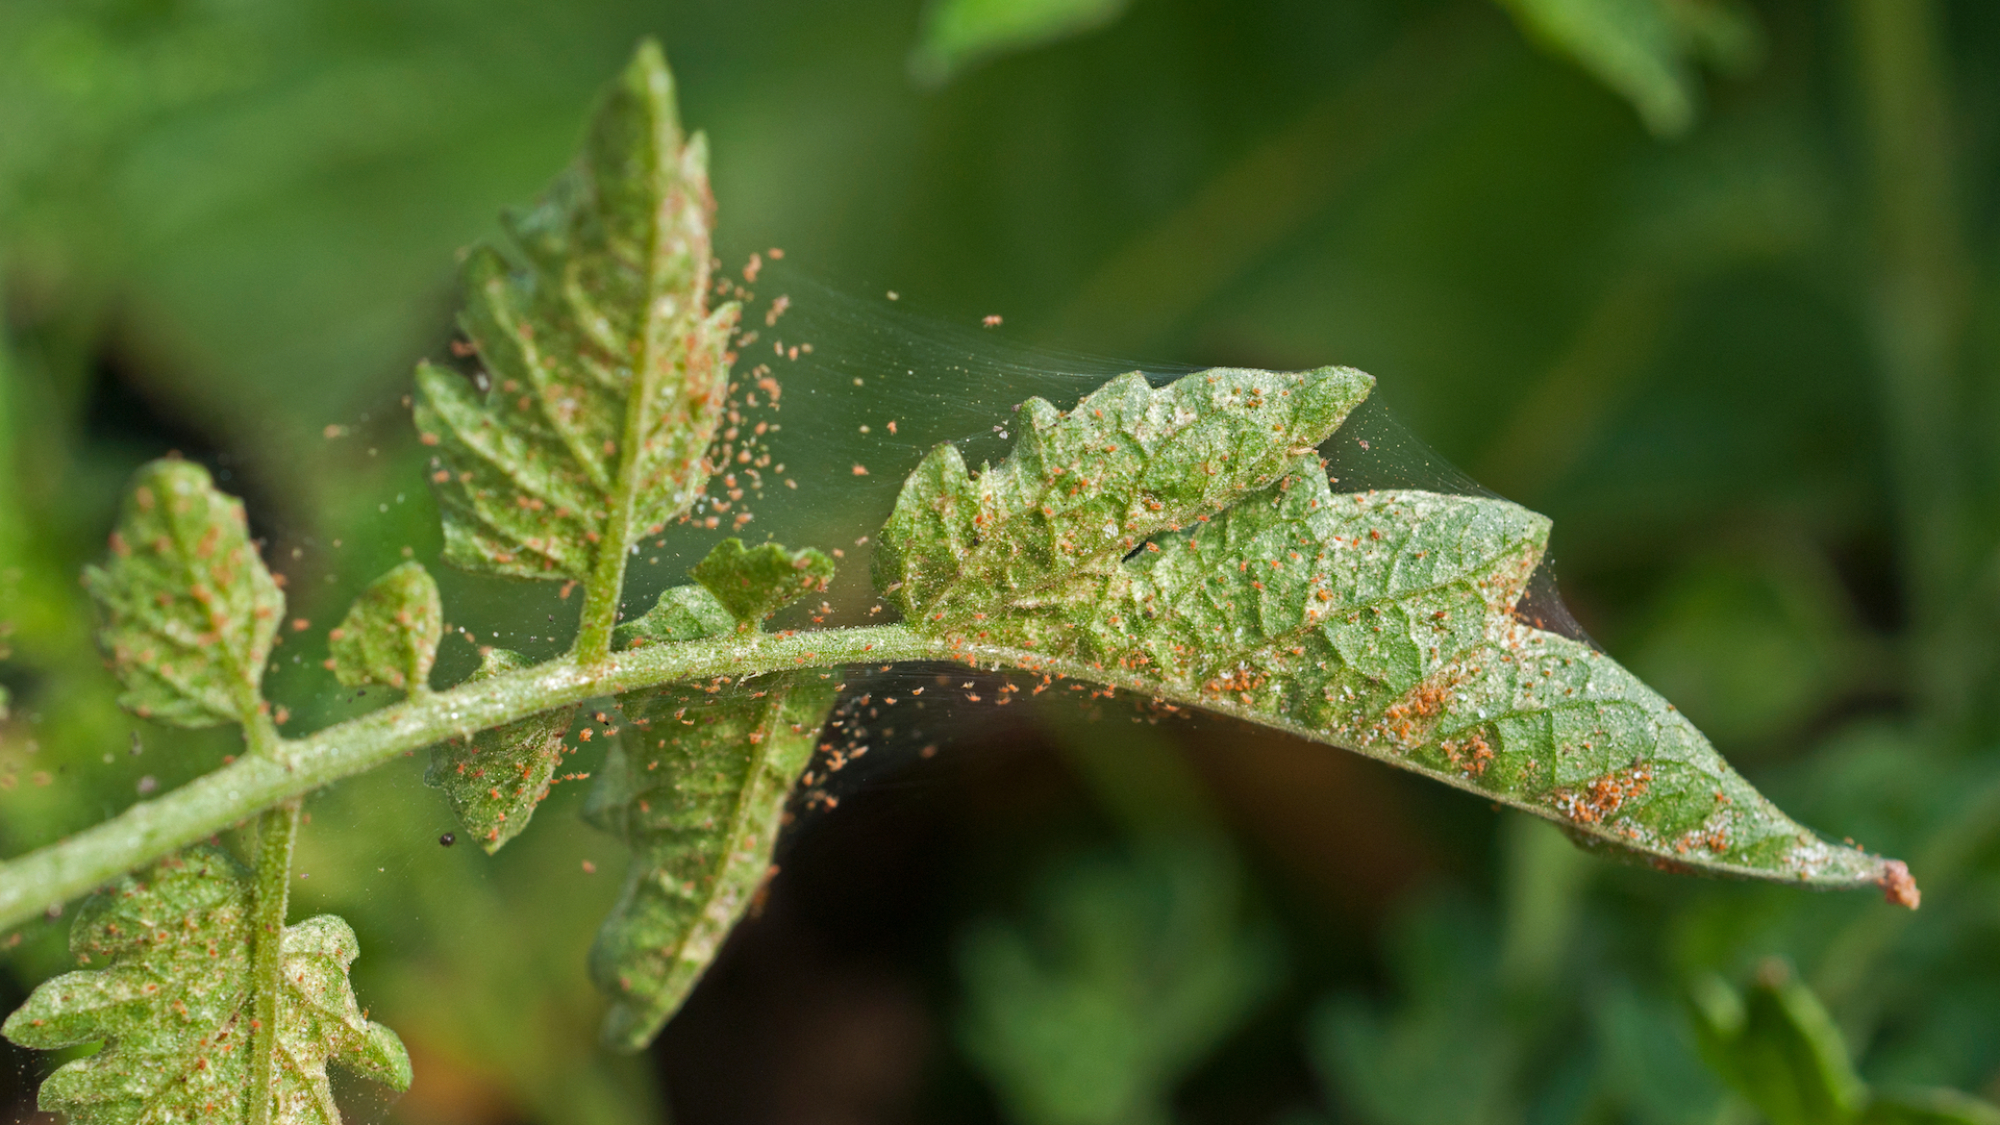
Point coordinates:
[(277, 832), (209, 804), (254, 782)]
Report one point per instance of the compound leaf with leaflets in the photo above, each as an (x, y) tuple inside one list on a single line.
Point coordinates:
[(172, 1002)]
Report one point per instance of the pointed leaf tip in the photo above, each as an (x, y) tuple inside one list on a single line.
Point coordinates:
[(604, 369), (390, 635), (1899, 888), (648, 70)]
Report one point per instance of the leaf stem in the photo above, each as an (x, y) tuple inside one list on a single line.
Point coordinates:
[(209, 804), (277, 832), (68, 868)]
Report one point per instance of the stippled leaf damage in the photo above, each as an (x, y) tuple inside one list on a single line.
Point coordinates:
[(1117, 544), (172, 1003)]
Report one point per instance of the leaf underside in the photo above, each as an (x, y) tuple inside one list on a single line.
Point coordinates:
[(696, 786), (390, 635), (606, 368), (1382, 622), (173, 1006), (188, 612), (495, 779)]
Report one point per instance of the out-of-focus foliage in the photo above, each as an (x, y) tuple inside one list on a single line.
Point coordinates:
[(1750, 374), (1650, 51), (1778, 1047), (1125, 972), (959, 33)]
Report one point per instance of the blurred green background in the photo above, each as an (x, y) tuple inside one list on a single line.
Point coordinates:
[(1715, 285)]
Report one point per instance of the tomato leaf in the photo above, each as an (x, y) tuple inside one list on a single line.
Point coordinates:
[(605, 369), (1200, 556), (495, 779), (188, 612), (172, 1004), (390, 634), (696, 786)]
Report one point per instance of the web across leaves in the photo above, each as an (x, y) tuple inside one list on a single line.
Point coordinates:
[(1201, 557), (173, 1006)]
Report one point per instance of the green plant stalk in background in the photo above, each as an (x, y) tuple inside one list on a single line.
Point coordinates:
[(1181, 543)]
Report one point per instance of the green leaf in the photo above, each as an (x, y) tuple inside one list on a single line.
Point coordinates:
[(1381, 622), (390, 635), (607, 370), (696, 787), (1044, 530), (1777, 1046), (1647, 51), (1127, 974), (172, 1006), (959, 33), (753, 583), (188, 610), (495, 779), (683, 613)]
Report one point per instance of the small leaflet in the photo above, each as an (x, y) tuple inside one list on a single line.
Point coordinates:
[(172, 1002), (187, 611), (1381, 622), (390, 635), (683, 613), (495, 779), (604, 370), (753, 583)]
